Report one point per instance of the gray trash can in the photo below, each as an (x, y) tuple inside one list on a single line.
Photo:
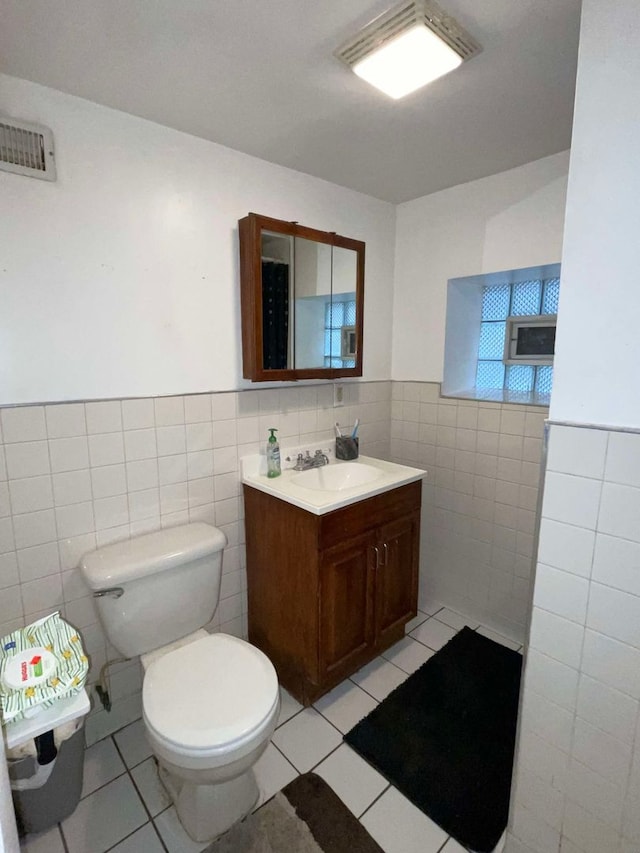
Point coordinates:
[(46, 786)]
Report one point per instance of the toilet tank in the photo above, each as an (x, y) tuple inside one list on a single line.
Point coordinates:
[(156, 588)]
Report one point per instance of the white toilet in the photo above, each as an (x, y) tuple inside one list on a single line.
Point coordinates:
[(210, 701)]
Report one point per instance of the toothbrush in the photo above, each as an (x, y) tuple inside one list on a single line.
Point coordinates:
[(338, 430), (355, 428)]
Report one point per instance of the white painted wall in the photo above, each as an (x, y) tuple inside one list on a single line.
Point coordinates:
[(462, 334), (598, 344), (507, 221), (121, 279)]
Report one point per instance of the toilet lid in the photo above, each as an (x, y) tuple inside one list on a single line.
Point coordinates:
[(208, 693)]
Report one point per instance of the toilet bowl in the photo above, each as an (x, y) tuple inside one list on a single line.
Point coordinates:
[(210, 708), (210, 701)]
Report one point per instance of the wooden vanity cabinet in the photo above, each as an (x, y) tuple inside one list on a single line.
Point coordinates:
[(328, 593)]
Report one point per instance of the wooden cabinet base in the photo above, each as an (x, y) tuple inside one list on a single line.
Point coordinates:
[(307, 691), (328, 593)]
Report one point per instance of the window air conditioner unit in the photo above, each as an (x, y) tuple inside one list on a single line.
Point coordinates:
[(530, 340)]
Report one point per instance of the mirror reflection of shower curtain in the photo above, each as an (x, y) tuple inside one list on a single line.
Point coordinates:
[(275, 315)]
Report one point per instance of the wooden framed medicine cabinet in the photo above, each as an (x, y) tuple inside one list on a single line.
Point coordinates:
[(300, 290)]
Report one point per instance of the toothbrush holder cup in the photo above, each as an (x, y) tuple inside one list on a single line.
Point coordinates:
[(346, 447)]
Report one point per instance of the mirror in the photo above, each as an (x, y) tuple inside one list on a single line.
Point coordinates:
[(302, 294)]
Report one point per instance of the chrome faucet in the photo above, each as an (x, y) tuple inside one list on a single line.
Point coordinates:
[(304, 462)]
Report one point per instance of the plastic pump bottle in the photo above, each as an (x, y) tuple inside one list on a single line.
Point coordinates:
[(273, 455)]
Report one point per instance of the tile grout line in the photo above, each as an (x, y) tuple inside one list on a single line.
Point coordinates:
[(133, 781), (579, 670), (115, 731), (137, 829), (386, 660), (142, 799), (151, 818), (342, 743), (288, 760), (284, 722), (318, 763), (327, 720), (104, 785), (364, 690), (128, 770), (375, 800)]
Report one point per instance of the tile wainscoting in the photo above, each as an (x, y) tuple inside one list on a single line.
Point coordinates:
[(578, 761), (480, 498), (75, 476)]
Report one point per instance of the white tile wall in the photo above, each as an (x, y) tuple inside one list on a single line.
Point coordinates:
[(571, 500), (561, 593), (577, 451), (479, 500), (612, 663), (565, 546), (79, 475), (577, 782), (619, 511), (556, 637)]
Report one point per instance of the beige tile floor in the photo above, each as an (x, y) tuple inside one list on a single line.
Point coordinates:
[(124, 808)]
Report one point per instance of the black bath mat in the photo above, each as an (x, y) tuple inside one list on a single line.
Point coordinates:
[(445, 738)]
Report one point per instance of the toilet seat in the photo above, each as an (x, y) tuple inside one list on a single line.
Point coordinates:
[(211, 697)]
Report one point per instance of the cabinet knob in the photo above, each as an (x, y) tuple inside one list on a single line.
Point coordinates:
[(386, 554), (377, 565)]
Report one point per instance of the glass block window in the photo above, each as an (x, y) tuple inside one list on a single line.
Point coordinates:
[(335, 312), (491, 340), (551, 295), (490, 374), (499, 301), (544, 379), (525, 298), (495, 302), (337, 315), (520, 377)]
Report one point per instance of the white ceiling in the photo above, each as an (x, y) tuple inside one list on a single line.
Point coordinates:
[(260, 77)]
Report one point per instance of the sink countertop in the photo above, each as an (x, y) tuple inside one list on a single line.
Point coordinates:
[(319, 502)]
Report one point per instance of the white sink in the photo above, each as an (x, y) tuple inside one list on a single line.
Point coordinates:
[(325, 489), (336, 478)]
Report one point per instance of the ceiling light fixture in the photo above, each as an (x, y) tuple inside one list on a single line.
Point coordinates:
[(408, 47)]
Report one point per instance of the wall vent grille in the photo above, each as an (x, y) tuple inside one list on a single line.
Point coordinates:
[(26, 149), (400, 18)]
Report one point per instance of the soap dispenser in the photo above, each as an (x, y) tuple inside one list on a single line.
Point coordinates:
[(273, 455)]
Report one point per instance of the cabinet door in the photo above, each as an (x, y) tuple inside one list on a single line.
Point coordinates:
[(346, 605), (295, 284), (396, 575)]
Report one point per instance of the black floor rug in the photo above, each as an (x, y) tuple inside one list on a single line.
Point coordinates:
[(445, 738)]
